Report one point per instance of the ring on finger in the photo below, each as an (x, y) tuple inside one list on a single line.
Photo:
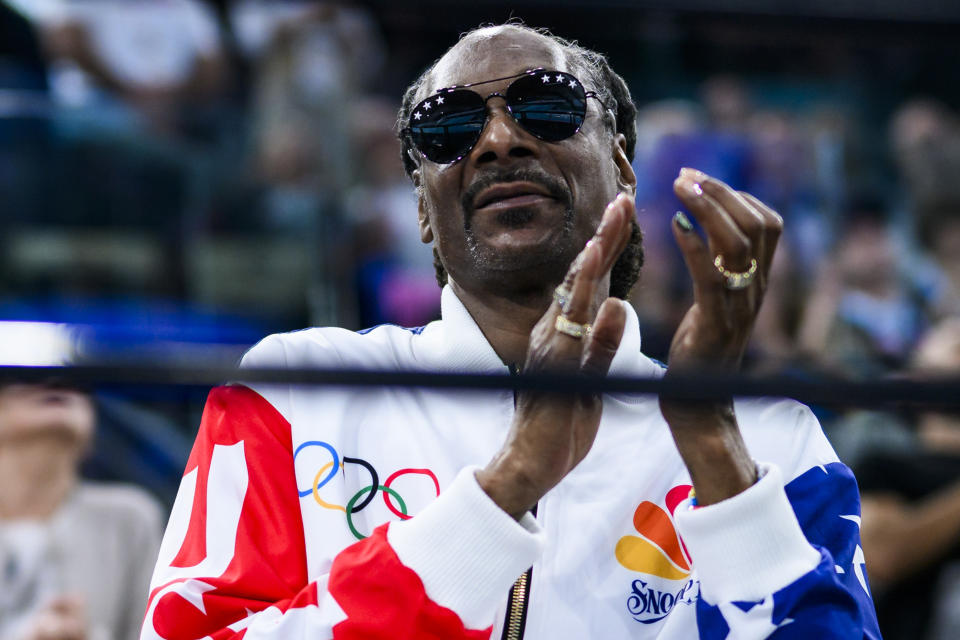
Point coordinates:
[(562, 295), (735, 280), (571, 328)]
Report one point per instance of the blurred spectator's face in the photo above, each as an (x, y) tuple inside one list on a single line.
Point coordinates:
[(866, 258), (28, 411), (916, 123), (946, 242), (726, 100)]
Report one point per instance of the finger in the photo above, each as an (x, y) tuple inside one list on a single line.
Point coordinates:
[(613, 233), (603, 250), (723, 234), (737, 206), (601, 345), (582, 293), (750, 221), (608, 241), (773, 228), (706, 278), (549, 347)]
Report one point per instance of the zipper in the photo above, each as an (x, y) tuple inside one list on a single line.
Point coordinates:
[(515, 620)]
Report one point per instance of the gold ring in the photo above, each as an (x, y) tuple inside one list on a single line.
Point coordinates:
[(562, 295), (571, 328), (733, 279)]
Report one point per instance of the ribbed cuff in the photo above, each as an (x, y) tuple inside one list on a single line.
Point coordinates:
[(748, 546), (467, 550)]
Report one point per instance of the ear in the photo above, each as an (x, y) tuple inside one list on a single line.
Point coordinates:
[(626, 178), (423, 219)]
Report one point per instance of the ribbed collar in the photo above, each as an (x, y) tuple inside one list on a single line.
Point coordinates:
[(455, 343)]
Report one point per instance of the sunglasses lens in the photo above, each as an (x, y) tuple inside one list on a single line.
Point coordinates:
[(550, 105), (446, 126)]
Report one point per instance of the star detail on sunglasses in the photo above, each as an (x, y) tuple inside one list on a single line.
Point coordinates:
[(559, 78), (426, 105), (416, 116), (573, 84), (439, 99), (545, 79)]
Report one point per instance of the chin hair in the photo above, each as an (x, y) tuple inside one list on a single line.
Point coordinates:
[(523, 268), (552, 256)]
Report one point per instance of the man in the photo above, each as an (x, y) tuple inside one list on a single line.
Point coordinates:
[(524, 183)]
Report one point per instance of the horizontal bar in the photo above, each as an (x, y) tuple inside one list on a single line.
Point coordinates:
[(935, 394)]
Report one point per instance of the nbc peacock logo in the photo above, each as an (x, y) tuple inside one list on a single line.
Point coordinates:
[(658, 552), (657, 549)]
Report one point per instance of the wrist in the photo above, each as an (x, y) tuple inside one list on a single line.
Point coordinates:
[(698, 417), (511, 490), (709, 442)]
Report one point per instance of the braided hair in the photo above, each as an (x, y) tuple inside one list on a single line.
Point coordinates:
[(613, 92)]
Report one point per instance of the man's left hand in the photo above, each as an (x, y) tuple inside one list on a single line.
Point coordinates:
[(729, 273)]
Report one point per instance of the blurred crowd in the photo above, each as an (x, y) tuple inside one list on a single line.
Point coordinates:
[(242, 157), (866, 266)]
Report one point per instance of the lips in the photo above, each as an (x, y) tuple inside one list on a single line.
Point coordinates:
[(504, 192)]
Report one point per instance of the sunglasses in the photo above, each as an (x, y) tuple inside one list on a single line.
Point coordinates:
[(550, 105)]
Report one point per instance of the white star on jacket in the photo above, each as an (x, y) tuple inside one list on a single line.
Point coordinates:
[(754, 624), (859, 562)]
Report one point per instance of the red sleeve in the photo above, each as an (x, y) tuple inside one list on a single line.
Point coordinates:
[(233, 559)]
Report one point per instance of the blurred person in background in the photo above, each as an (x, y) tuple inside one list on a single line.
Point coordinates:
[(773, 347), (911, 505), (865, 313), (925, 142), (24, 131), (309, 59), (133, 63), (661, 295), (396, 280), (75, 557), (309, 64), (940, 234)]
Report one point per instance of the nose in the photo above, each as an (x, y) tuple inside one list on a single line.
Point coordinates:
[(502, 139)]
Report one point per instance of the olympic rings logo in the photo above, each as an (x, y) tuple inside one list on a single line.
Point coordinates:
[(362, 498)]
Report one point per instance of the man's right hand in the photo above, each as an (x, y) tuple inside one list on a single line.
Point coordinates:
[(551, 433)]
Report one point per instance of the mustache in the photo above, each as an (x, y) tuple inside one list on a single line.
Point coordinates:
[(556, 187)]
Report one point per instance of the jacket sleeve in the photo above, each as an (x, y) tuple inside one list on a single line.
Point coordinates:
[(782, 562), (233, 564)]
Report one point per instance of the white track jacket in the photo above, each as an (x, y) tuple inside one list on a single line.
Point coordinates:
[(347, 513)]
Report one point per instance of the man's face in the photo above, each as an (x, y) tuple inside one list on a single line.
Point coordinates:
[(515, 211)]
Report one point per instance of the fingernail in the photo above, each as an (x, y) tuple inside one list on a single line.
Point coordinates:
[(683, 222), (696, 188), (697, 175)]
